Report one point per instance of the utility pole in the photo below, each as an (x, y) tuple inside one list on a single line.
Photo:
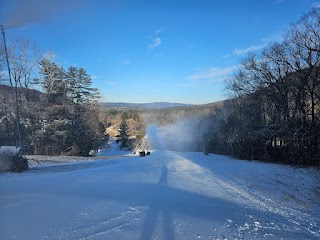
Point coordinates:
[(14, 99)]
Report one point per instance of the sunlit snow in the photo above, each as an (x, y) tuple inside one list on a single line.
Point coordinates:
[(167, 195)]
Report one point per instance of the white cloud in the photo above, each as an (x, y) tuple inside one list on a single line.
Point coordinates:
[(155, 43), (213, 73), (249, 49)]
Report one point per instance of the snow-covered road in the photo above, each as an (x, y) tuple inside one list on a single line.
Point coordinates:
[(167, 195)]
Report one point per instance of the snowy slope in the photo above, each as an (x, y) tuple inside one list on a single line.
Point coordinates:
[(167, 195)]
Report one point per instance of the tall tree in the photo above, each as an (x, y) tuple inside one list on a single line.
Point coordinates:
[(69, 114), (81, 90), (53, 81), (124, 134), (284, 80)]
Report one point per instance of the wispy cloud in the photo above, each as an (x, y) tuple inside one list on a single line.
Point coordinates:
[(238, 51), (213, 73), (155, 43), (207, 76), (158, 31), (275, 37), (126, 62), (249, 49), (111, 83), (227, 55)]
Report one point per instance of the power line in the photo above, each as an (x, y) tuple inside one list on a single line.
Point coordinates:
[(14, 98)]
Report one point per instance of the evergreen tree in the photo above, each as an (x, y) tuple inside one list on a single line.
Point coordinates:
[(53, 82), (70, 102), (80, 86), (124, 134), (72, 83)]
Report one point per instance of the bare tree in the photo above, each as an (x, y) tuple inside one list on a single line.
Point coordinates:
[(284, 79)]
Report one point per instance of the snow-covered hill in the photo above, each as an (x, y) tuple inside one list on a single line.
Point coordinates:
[(167, 195)]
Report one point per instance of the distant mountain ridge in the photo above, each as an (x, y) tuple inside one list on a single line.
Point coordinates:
[(153, 105)]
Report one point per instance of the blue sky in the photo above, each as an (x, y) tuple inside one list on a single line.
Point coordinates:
[(150, 51)]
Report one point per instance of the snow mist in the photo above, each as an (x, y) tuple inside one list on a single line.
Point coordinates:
[(183, 135)]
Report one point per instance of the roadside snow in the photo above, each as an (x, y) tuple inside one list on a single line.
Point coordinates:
[(167, 195), (111, 151)]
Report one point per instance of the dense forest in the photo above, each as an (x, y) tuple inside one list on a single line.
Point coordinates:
[(62, 118)]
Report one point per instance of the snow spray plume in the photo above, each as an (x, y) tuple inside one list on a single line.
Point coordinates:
[(183, 135), (152, 135), (21, 12)]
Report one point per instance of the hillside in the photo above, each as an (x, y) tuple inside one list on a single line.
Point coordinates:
[(141, 106), (167, 195), (188, 119), (171, 115), (25, 93)]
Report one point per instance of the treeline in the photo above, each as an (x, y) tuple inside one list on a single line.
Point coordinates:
[(61, 119), (171, 115), (275, 115)]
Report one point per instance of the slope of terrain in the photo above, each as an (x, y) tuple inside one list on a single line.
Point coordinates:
[(167, 195)]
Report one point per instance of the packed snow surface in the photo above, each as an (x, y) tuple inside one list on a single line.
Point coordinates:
[(167, 195)]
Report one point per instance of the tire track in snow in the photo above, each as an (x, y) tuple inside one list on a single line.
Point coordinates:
[(208, 183), (95, 228)]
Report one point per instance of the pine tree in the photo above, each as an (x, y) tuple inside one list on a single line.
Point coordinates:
[(72, 83), (70, 102), (53, 82), (124, 134), (80, 86)]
